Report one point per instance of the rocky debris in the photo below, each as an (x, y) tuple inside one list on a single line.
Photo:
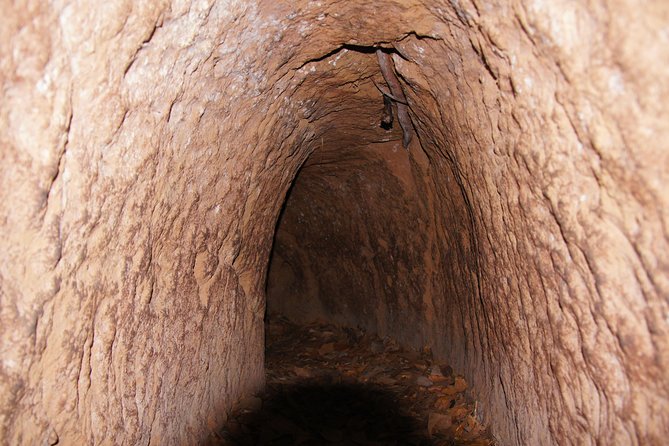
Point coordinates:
[(332, 386)]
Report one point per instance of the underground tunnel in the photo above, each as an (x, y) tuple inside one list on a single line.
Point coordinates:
[(174, 171)]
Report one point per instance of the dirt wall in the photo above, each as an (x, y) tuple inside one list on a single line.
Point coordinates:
[(147, 148)]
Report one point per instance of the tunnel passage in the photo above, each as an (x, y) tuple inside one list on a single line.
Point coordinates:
[(343, 250), (357, 241), (147, 150)]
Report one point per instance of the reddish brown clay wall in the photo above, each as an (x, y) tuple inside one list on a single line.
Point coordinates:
[(146, 149)]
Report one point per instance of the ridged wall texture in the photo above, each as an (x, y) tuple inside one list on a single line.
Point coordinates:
[(147, 149)]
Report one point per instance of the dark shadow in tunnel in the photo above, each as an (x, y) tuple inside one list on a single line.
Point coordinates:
[(317, 414)]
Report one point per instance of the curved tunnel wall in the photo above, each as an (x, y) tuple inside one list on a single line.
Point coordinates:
[(147, 149)]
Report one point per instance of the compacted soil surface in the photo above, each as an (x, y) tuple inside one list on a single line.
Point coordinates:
[(334, 386)]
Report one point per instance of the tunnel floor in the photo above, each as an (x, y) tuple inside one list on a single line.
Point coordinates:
[(333, 386)]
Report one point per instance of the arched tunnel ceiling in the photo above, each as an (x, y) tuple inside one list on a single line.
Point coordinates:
[(147, 149)]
